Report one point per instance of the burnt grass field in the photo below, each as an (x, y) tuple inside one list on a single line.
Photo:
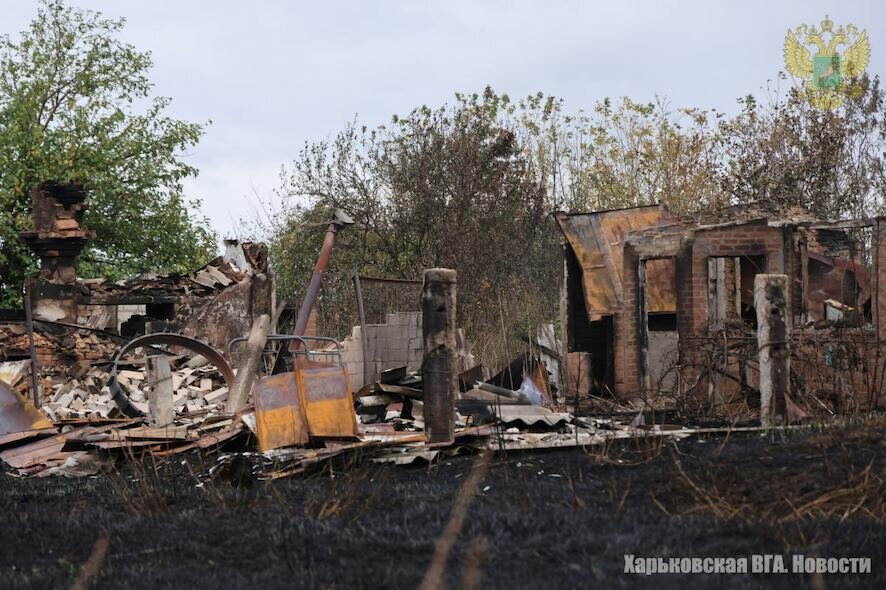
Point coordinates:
[(555, 519)]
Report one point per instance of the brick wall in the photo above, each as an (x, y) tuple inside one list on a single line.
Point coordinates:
[(752, 239), (627, 343), (879, 279)]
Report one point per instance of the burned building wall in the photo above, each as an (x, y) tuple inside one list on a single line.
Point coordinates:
[(57, 238), (754, 248), (78, 318), (879, 278), (751, 241), (215, 303), (630, 329), (593, 292), (711, 264)]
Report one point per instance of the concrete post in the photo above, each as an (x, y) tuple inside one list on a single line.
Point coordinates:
[(160, 393), (773, 335), (438, 366)]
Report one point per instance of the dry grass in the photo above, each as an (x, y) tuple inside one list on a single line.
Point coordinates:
[(784, 510), (626, 452), (836, 486), (140, 483)]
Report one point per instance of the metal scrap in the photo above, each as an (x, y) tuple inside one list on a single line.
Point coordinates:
[(17, 414)]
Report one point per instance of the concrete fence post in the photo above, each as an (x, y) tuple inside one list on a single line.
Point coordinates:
[(773, 341), (439, 362)]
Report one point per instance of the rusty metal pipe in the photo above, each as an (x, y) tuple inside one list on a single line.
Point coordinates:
[(339, 221)]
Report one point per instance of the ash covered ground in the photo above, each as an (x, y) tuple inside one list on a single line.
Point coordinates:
[(558, 519)]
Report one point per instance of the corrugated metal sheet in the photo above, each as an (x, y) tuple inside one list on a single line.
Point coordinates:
[(598, 242), (530, 415)]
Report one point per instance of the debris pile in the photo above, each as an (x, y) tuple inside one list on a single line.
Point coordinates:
[(56, 344), (87, 427), (396, 400), (205, 281), (197, 391)]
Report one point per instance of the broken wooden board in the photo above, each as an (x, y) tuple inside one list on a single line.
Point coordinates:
[(43, 450), (170, 433)]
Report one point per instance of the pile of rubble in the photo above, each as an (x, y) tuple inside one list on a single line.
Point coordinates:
[(211, 278), (55, 343), (82, 422), (197, 391)]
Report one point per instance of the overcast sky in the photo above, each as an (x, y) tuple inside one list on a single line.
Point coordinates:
[(273, 75)]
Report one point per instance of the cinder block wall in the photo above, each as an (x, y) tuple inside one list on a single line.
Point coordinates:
[(395, 343)]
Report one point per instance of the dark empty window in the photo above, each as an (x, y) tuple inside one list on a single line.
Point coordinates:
[(160, 311), (662, 322)]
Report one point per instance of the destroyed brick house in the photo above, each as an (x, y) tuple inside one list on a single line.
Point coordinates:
[(656, 304), (656, 309), (214, 303)]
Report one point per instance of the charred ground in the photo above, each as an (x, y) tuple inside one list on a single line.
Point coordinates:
[(544, 519)]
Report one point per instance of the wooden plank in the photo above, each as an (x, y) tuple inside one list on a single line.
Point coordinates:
[(42, 450), (147, 432)]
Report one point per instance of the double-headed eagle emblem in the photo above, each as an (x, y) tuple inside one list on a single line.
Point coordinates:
[(828, 75)]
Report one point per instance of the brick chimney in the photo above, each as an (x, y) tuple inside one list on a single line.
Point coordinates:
[(57, 239)]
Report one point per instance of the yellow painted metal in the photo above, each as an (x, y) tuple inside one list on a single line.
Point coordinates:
[(279, 416), (326, 394), (18, 414), (313, 400)]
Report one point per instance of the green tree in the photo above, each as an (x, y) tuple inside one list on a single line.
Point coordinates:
[(791, 153), (76, 105), (449, 186), (622, 153)]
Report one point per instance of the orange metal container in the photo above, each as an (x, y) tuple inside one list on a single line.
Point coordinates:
[(312, 401)]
